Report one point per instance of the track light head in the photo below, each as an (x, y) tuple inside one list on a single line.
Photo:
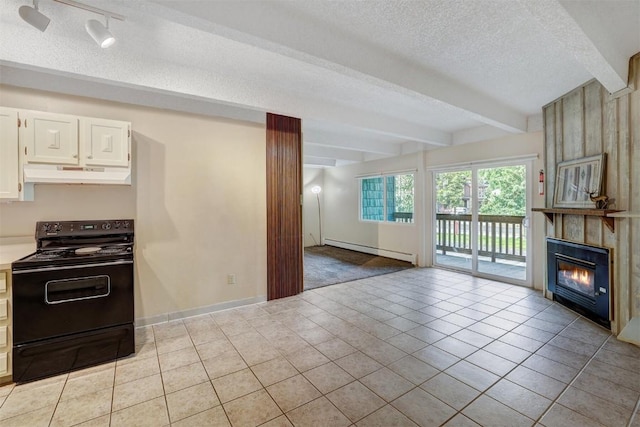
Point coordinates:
[(100, 33), (32, 16)]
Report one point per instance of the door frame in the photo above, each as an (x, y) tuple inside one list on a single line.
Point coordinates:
[(528, 162)]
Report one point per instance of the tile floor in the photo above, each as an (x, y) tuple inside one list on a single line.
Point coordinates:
[(417, 347)]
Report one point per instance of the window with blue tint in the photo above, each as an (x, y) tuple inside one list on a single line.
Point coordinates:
[(387, 198)]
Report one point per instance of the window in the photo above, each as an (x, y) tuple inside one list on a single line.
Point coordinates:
[(387, 198)]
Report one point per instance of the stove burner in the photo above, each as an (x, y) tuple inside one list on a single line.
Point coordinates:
[(112, 250), (50, 254)]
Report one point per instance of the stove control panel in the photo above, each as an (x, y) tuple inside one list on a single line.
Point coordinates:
[(83, 228)]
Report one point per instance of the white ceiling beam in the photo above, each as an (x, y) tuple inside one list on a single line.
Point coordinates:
[(350, 142), (318, 161), (315, 150), (591, 45), (255, 24)]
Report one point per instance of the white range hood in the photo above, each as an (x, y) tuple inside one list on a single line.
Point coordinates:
[(56, 174)]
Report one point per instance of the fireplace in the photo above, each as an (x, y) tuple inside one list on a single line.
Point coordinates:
[(578, 275)]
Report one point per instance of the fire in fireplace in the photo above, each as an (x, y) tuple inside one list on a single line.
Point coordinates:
[(578, 275)]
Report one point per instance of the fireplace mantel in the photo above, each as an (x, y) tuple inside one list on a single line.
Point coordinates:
[(605, 214)]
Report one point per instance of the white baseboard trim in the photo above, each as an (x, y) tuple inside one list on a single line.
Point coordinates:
[(402, 256), (176, 315)]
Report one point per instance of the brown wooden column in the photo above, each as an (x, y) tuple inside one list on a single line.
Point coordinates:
[(284, 211)]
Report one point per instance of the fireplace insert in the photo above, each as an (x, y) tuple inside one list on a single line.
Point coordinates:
[(578, 275)]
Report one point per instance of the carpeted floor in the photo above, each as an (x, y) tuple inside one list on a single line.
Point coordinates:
[(328, 265)]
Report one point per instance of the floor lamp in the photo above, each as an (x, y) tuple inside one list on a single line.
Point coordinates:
[(316, 189)]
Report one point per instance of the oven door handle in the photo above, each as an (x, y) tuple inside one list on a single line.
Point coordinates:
[(72, 267)]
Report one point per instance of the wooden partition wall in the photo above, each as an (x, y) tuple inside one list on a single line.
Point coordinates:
[(284, 210)]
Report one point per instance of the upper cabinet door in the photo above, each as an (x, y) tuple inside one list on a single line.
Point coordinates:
[(9, 172), (105, 142), (50, 138)]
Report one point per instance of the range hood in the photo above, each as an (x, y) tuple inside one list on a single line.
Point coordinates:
[(57, 174)]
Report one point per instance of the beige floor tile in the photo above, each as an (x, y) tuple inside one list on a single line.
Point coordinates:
[(383, 352), (387, 384), (456, 347), (318, 413), (259, 353), (281, 421), (138, 391), (29, 397), (6, 389), (144, 334), (335, 348), (435, 357), (236, 385), (252, 410), (306, 358), (178, 358), (607, 390), (423, 409), (406, 343), (461, 421), (491, 362), (413, 369), (82, 408), (358, 364), (534, 381), (203, 336), (293, 392), (190, 401), (273, 371), (152, 413), (214, 348), (102, 421), (315, 335), (224, 364), (144, 350), (519, 398), (551, 368), (355, 400), (173, 343), (559, 416), (38, 418), (88, 381), (489, 412), (594, 407), (133, 370), (328, 377), (385, 417), (214, 417), (183, 377), (472, 375), (169, 329), (451, 391)]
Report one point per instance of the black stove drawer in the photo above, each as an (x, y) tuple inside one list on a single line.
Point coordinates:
[(55, 302)]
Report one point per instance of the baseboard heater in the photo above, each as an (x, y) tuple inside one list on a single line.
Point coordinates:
[(402, 256)]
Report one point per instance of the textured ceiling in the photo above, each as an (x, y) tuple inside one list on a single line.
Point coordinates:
[(370, 79)]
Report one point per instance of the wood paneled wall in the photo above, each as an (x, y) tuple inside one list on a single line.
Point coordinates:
[(589, 121), (284, 209)]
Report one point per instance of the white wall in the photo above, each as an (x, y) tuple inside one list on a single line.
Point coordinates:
[(341, 197), (341, 216), (198, 198)]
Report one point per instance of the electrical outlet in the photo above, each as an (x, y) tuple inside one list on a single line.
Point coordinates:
[(231, 279)]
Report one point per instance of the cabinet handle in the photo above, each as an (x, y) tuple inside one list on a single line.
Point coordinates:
[(89, 157), (75, 156)]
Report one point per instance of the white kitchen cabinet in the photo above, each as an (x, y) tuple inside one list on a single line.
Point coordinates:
[(10, 184), (49, 138), (65, 140), (105, 142)]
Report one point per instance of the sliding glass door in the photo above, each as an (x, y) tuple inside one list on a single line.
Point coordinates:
[(481, 221)]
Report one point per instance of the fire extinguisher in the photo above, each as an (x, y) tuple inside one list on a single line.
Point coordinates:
[(541, 183)]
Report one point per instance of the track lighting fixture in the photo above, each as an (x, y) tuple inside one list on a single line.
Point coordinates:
[(33, 16), (99, 32)]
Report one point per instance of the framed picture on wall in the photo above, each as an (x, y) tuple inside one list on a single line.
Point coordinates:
[(578, 181)]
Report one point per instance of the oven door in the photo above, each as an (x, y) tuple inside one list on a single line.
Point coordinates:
[(52, 301)]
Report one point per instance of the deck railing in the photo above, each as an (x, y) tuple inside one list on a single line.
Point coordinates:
[(499, 237)]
